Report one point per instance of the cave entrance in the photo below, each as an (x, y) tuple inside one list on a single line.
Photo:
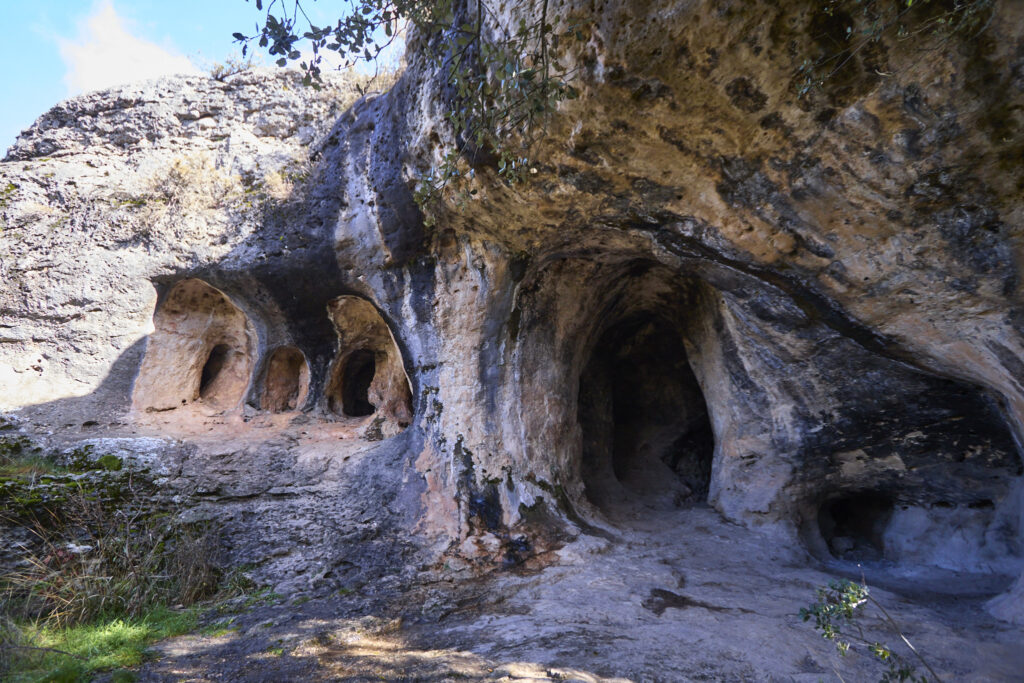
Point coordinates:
[(287, 380), (212, 369), (647, 436), (357, 376), (201, 348), (368, 375), (854, 526)]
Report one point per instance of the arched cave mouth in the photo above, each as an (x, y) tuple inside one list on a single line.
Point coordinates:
[(201, 348), (647, 437), (367, 376), (217, 359), (853, 527), (357, 375), (287, 380)]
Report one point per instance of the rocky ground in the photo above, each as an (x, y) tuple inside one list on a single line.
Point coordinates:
[(666, 596)]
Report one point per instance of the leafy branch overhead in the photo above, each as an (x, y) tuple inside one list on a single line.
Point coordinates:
[(502, 81), (503, 77)]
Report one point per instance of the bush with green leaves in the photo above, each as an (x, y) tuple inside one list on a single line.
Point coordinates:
[(837, 614)]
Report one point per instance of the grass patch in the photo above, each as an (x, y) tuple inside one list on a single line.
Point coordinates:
[(20, 458), (219, 628), (30, 466), (263, 596), (76, 652), (101, 557)]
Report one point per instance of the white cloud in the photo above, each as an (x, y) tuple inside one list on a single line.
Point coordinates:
[(105, 54)]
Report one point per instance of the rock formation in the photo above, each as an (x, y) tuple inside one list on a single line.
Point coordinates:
[(805, 313)]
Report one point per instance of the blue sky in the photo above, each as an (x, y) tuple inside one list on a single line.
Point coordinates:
[(52, 49)]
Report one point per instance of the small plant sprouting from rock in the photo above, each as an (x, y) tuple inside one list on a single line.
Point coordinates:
[(6, 192), (835, 615), (220, 71)]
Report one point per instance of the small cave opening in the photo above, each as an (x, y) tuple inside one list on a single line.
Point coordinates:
[(215, 362), (357, 376), (647, 436), (201, 348), (854, 526), (287, 380), (367, 376)]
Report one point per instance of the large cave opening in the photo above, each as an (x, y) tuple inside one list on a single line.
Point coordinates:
[(646, 433)]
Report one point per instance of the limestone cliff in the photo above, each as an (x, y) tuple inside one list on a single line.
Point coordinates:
[(807, 313)]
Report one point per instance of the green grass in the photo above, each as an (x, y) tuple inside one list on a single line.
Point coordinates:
[(29, 466), (262, 596), (100, 646)]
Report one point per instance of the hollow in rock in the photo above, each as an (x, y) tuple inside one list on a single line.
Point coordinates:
[(201, 349), (646, 433), (287, 380)]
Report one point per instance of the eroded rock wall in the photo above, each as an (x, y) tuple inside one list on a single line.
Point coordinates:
[(806, 312)]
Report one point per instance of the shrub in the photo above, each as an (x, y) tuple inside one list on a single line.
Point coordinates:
[(92, 558), (836, 616)]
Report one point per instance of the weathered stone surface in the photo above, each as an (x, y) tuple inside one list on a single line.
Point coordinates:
[(805, 312)]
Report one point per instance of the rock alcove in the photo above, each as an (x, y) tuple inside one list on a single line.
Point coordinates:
[(286, 384), (936, 488), (854, 526), (367, 377), (200, 352)]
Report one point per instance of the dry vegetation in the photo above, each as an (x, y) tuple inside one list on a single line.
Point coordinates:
[(103, 568)]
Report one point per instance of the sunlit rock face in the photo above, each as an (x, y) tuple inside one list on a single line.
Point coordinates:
[(805, 313), (201, 350)]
